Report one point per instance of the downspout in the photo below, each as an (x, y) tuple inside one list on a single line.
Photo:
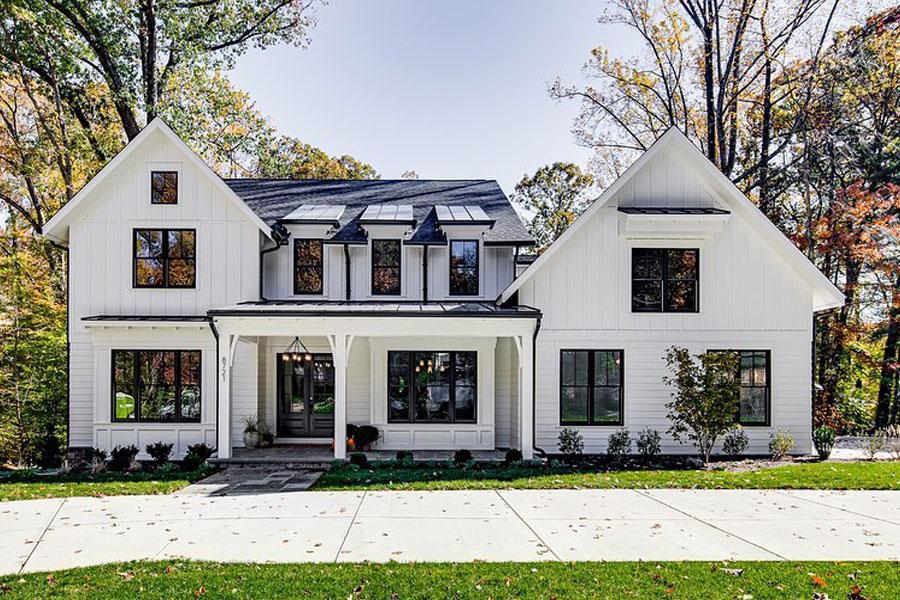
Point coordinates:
[(425, 273), (68, 359), (347, 269), (215, 332), (280, 236), (537, 328)]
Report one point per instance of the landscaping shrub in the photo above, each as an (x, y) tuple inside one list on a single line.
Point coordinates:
[(462, 457), (648, 442), (823, 438), (892, 438), (364, 436), (571, 442), (121, 457), (159, 452), (405, 458), (735, 442), (513, 455), (619, 443), (97, 459), (781, 443), (875, 443), (196, 455), (359, 459)]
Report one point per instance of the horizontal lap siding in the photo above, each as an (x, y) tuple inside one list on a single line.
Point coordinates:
[(749, 298)]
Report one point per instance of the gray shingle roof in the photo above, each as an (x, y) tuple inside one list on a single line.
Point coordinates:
[(273, 199)]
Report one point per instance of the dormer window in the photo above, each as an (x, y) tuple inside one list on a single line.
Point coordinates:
[(464, 268), (665, 280), (386, 267), (164, 187), (308, 267)]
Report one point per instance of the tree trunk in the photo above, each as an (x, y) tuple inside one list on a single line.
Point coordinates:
[(149, 12), (709, 93), (886, 409), (765, 143)]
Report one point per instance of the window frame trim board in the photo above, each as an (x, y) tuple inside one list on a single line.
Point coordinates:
[(590, 386), (137, 386)]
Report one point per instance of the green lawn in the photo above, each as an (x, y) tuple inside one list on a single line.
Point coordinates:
[(811, 475), (29, 486), (700, 580)]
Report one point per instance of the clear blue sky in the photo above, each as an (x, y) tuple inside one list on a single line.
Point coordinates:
[(450, 89)]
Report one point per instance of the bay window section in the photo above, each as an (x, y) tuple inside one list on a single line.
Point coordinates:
[(156, 385), (432, 387), (591, 387)]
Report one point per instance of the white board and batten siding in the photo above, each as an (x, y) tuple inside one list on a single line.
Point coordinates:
[(750, 298), (101, 281)]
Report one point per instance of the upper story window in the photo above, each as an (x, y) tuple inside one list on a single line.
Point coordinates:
[(464, 268), (665, 280), (591, 387), (386, 267), (308, 266), (156, 385), (432, 387), (164, 187), (165, 258)]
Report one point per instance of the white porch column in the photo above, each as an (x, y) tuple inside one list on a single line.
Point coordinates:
[(525, 347), (340, 354), (224, 361)]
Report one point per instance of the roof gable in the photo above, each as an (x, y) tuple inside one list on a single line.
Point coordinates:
[(56, 228), (825, 294)]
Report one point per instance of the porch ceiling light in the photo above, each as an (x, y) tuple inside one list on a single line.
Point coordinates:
[(297, 352)]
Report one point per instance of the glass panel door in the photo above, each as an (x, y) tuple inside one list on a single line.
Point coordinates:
[(305, 397)]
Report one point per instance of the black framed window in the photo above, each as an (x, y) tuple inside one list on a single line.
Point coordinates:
[(432, 386), (755, 373), (464, 268), (164, 187), (156, 385), (386, 267), (165, 258), (665, 280), (591, 387), (308, 266)]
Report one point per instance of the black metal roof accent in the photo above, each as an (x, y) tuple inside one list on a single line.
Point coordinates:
[(146, 318), (401, 309), (274, 199), (671, 210)]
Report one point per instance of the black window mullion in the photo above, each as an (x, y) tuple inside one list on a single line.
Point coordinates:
[(452, 411), (591, 384), (412, 386), (136, 357), (178, 385)]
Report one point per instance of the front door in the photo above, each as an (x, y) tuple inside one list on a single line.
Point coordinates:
[(306, 397)]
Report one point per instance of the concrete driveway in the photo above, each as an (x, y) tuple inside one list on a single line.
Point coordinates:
[(515, 525)]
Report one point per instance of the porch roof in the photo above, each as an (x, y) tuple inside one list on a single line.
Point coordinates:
[(374, 309)]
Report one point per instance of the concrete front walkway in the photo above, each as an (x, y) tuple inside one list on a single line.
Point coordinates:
[(515, 525)]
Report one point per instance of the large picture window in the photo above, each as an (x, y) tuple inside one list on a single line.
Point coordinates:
[(156, 385), (464, 268), (432, 387), (386, 267), (164, 187), (665, 279), (592, 389), (165, 258), (308, 278)]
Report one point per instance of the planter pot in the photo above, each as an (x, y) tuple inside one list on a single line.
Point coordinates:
[(251, 439)]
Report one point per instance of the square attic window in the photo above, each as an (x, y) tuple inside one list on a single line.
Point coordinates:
[(164, 187)]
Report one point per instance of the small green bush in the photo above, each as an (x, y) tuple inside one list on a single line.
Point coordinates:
[(96, 456), (404, 456), (359, 459), (619, 443), (159, 452), (781, 442), (571, 442), (196, 455), (513, 455), (823, 438), (121, 457), (735, 442), (648, 442), (364, 436), (462, 457), (875, 443)]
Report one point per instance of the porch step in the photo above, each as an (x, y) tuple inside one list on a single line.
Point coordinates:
[(272, 462)]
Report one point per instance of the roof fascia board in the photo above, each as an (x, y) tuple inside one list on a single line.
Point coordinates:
[(52, 229)]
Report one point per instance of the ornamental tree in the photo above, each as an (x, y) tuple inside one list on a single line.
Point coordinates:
[(705, 396)]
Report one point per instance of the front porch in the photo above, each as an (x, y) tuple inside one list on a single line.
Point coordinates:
[(479, 396), (312, 456)]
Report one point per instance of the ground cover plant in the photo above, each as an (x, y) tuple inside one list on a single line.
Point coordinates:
[(30, 485)]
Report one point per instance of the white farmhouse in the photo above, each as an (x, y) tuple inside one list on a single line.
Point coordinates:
[(197, 302)]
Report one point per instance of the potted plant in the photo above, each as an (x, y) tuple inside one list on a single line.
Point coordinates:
[(251, 432), (266, 437)]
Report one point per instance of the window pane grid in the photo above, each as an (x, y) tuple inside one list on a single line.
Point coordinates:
[(165, 258), (464, 268), (753, 374), (665, 280), (432, 387), (164, 187), (591, 387), (156, 385), (308, 266), (386, 267)]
